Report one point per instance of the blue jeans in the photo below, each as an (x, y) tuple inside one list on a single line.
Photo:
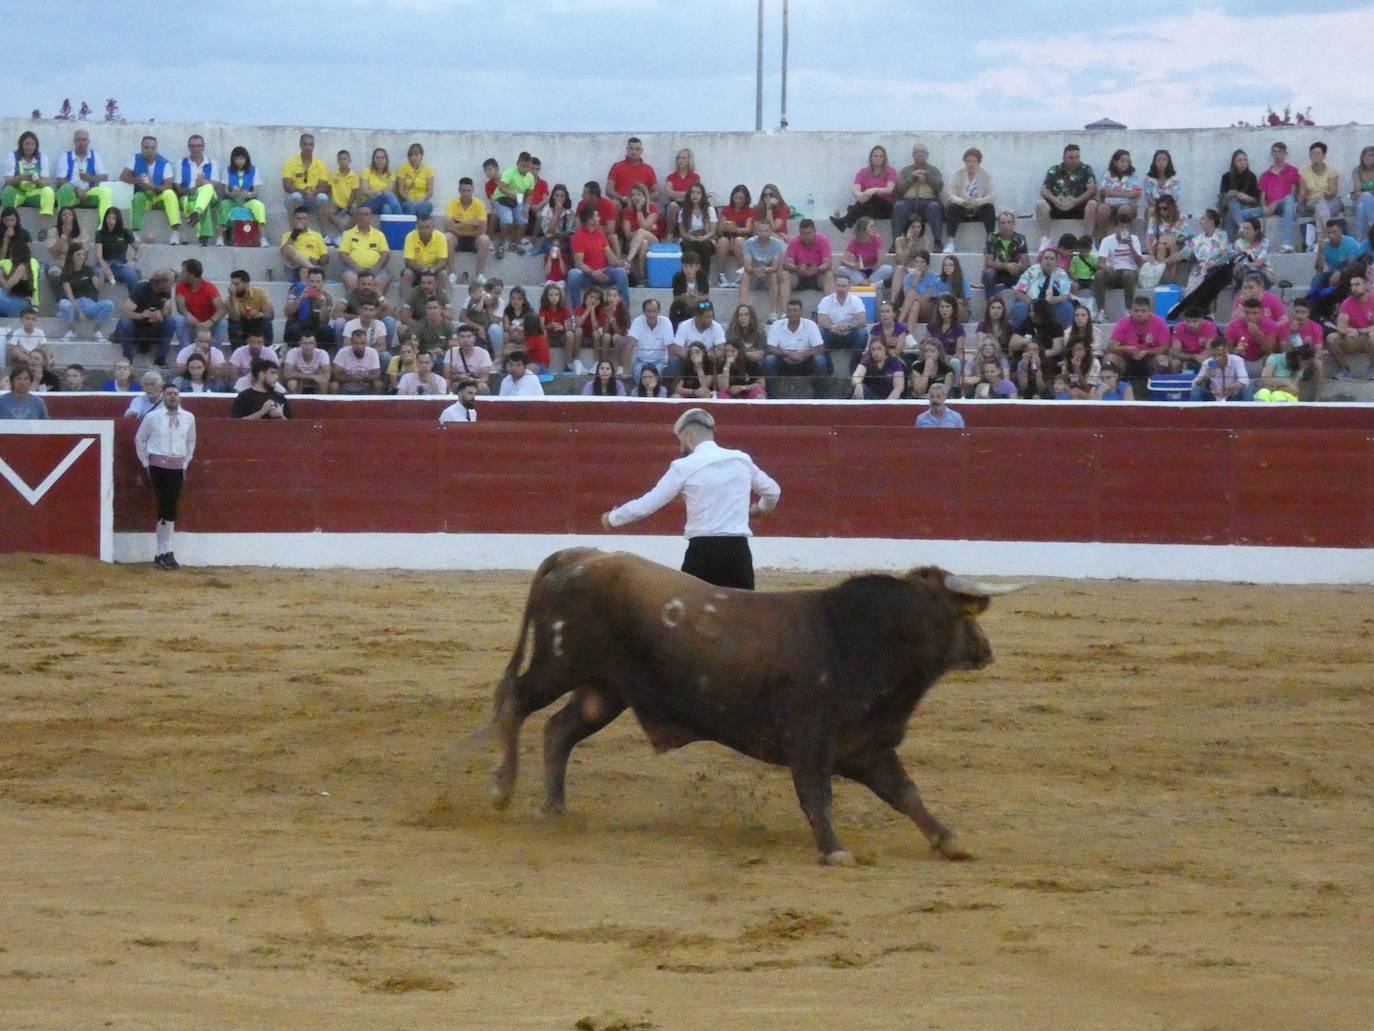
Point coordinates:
[(419, 208), (92, 311), (854, 341), (385, 203), (817, 365), (1203, 392), (219, 331), (296, 200), (930, 211), (1364, 215), (1063, 313), (877, 276), (124, 273), (579, 281), (506, 216), (124, 337), (11, 305)]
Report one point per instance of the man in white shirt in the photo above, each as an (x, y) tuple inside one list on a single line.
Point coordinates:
[(654, 344), (795, 346), (465, 408), (1119, 258), (519, 381), (702, 327), (843, 319), (424, 380), (717, 485), (306, 368), (1223, 376), (81, 178), (165, 443)]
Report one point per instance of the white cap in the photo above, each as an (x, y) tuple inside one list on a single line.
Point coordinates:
[(695, 417)]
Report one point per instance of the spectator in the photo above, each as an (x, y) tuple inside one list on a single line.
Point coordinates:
[(874, 187), (764, 255), (946, 329), (734, 227), (676, 185), (698, 377), (649, 385), (1119, 261), (122, 381), (74, 378), (424, 380), (1362, 193), (345, 186), (11, 232), (415, 184), (748, 333), (617, 329), (309, 309), (918, 197), (536, 200), (375, 332), (641, 225), (113, 244), (426, 290), (909, 243), (1301, 330), (301, 247), (952, 282), (215, 361), (558, 222), (198, 304), (241, 191), (878, 375), (20, 402), (1335, 256), (479, 314), (1253, 286), (863, 255), (701, 328), (607, 211), (465, 408), (603, 382), (196, 182), (40, 368), (991, 382), (467, 230), (466, 361), (306, 367), (1044, 281), (1252, 333), (697, 226), (519, 381), (435, 332), (1278, 194), (1034, 378), (1354, 327), (364, 248), (1111, 387), (1251, 254), (1120, 192), (62, 234), (240, 368), (919, 288), (357, 366), (81, 301), (1194, 335), (558, 320), (1160, 181), (26, 180), (1140, 341), (1005, 256), (594, 261), (930, 367), (1068, 192), (737, 374), (1295, 375), (1240, 192), (996, 327), (19, 277), (807, 262), (773, 210), (511, 189), (146, 318), (248, 308), (632, 171), (425, 251), (969, 196), (262, 399), (652, 337), (197, 377), (939, 415), (895, 336), (1082, 370), (377, 188), (1209, 249), (151, 397), (1166, 234), (843, 319), (690, 285), (81, 179), (591, 326), (795, 347), (305, 182), (1319, 189), (524, 331), (491, 175), (1222, 377)]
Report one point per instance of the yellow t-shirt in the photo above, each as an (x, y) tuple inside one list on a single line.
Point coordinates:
[(426, 255), (474, 212), (414, 182), (365, 249), (309, 245), (301, 177), (377, 180), (342, 187), (1318, 185)]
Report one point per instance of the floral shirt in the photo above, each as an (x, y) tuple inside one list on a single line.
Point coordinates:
[(1255, 254), (1033, 279), (1154, 189), (1063, 183), (1004, 249), (1208, 251), (1157, 230), (1123, 183)]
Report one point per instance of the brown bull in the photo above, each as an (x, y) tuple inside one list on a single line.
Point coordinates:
[(819, 681)]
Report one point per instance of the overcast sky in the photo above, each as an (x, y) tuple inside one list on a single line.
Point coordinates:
[(578, 65)]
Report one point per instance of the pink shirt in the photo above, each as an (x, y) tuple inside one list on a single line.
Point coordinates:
[(350, 362), (242, 358), (1361, 316), (818, 254), (1154, 333), (864, 179), (1195, 342), (311, 368), (1310, 334), (1239, 335), (867, 252), (1275, 186), (1269, 304)]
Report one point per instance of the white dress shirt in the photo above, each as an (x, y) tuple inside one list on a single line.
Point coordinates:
[(651, 343), (457, 412), (716, 483), (806, 336), (527, 385), (166, 439)]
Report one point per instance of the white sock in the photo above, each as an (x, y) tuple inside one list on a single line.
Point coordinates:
[(164, 537)]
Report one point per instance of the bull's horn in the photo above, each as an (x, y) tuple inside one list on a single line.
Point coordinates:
[(959, 585)]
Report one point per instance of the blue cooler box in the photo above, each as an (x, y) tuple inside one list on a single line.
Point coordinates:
[(1172, 386), (1166, 297), (869, 295), (663, 261), (395, 228)]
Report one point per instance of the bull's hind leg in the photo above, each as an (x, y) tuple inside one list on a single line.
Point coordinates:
[(885, 776), (516, 698), (586, 712), (811, 778)]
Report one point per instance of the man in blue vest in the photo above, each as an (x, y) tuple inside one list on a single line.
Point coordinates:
[(197, 183), (152, 178), (80, 177)]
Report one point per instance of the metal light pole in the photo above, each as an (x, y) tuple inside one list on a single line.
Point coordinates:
[(782, 124), (758, 77)]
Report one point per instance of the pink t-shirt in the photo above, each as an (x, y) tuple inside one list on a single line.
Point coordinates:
[(347, 361), (1310, 333), (1270, 304), (1239, 335), (864, 179), (242, 358), (1154, 333), (1195, 342), (868, 252), (1275, 186), (1361, 316), (818, 254), (317, 364)]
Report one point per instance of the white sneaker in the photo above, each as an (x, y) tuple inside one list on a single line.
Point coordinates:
[(264, 242), (721, 280), (524, 246), (175, 238), (98, 337), (69, 335), (949, 247), (577, 367), (453, 279), (1286, 249), (481, 279)]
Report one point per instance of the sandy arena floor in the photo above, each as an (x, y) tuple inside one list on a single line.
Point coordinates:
[(228, 799)]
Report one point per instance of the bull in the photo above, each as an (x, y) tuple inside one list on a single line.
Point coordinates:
[(823, 682)]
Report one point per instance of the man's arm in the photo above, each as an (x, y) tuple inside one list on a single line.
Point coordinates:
[(669, 487), (145, 430), (766, 488)]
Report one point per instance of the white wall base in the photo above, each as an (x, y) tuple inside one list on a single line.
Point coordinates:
[(438, 551)]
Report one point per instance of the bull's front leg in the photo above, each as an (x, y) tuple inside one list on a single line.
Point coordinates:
[(885, 776), (811, 778)]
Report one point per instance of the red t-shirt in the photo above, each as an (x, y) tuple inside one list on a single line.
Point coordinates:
[(540, 193), (537, 347), (625, 174), (656, 224), (591, 244), (558, 268), (741, 217), (682, 183), (490, 188), (781, 213), (555, 319), (600, 318), (200, 302)]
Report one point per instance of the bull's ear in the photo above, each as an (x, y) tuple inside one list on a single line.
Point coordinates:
[(976, 597)]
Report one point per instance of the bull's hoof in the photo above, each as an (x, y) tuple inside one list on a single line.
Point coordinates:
[(501, 789), (554, 810), (949, 847), (839, 858)]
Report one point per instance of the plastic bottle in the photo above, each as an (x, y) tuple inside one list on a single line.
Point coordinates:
[(809, 205)]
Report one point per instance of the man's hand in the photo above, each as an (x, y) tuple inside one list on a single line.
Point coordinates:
[(756, 509), (606, 521)]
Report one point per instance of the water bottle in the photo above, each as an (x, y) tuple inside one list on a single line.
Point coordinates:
[(809, 206)]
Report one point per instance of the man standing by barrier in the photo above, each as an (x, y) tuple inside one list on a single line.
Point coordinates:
[(165, 442), (717, 485)]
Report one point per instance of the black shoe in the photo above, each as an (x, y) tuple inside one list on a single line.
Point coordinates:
[(169, 561), (160, 561), (837, 222)]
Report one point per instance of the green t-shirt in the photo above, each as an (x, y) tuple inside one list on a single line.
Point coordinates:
[(521, 182)]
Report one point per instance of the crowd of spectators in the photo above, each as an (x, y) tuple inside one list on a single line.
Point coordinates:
[(348, 328)]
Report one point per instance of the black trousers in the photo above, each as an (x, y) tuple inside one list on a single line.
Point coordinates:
[(723, 561), (167, 487)]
